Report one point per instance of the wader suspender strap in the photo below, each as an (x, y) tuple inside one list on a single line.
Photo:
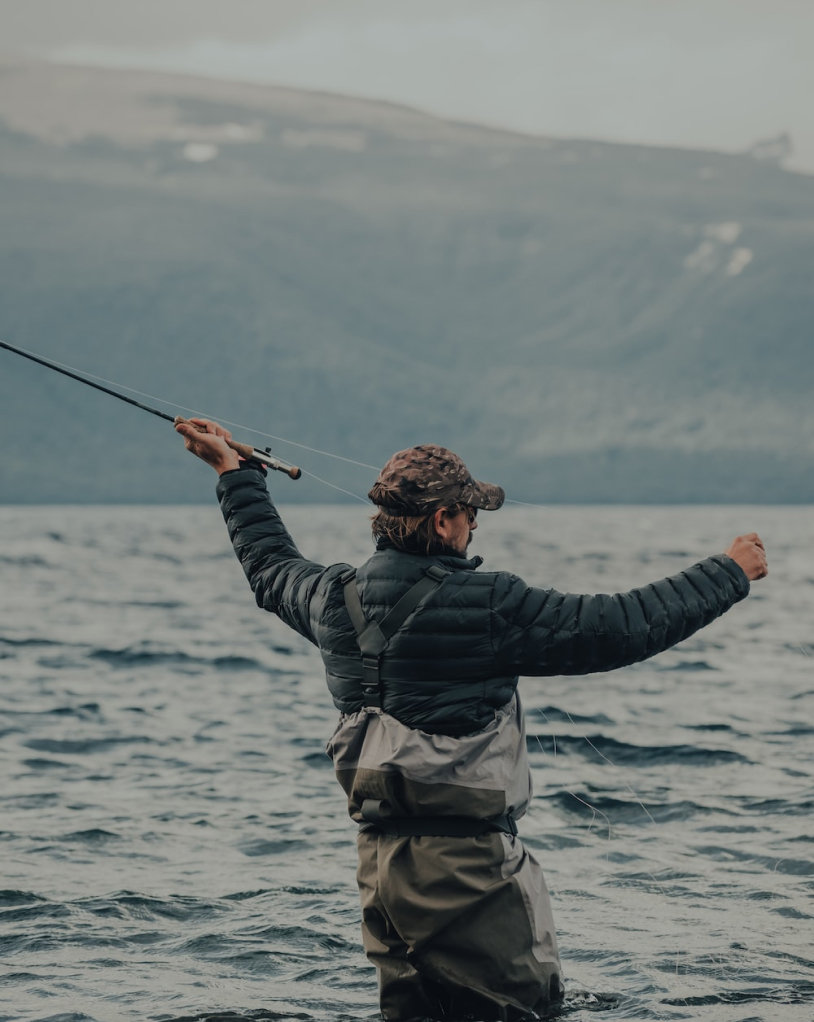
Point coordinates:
[(372, 636)]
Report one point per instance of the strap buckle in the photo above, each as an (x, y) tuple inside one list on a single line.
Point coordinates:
[(371, 683), (435, 571)]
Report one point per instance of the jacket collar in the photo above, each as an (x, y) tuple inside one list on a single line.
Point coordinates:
[(446, 559)]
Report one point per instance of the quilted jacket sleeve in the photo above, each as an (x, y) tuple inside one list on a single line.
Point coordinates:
[(282, 580), (543, 632)]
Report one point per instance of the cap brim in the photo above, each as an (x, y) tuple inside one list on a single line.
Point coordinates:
[(484, 496)]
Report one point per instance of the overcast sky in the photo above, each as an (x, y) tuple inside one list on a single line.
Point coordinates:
[(717, 74)]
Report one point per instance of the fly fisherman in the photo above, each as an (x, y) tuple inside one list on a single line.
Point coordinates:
[(422, 653)]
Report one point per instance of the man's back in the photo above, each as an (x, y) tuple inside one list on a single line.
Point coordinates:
[(457, 658)]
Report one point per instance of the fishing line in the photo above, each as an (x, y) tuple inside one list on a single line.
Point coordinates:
[(86, 377), (339, 489), (526, 503), (80, 373), (197, 412), (237, 425), (610, 762), (304, 447), (596, 813), (593, 808), (333, 486)]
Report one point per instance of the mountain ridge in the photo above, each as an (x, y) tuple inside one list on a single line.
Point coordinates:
[(583, 321)]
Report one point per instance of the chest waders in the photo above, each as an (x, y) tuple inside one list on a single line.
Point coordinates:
[(373, 638)]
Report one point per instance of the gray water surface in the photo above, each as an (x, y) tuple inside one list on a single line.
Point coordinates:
[(174, 843)]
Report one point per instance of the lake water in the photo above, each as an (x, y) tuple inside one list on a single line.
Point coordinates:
[(174, 844)]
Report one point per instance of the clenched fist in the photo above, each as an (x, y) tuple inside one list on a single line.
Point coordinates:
[(748, 551)]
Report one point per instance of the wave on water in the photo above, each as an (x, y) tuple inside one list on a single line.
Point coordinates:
[(155, 658), (686, 666), (235, 1016), (80, 746), (554, 714), (601, 747), (589, 805), (795, 992)]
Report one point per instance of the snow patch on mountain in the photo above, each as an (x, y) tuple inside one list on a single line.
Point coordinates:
[(727, 233), (713, 251), (741, 258), (704, 258), (200, 152)]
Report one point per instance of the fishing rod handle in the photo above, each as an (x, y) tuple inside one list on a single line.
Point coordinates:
[(263, 456), (248, 452)]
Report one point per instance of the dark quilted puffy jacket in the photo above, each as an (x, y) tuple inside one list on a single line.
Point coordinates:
[(458, 657)]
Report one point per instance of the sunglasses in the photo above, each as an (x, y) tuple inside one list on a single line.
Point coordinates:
[(470, 512)]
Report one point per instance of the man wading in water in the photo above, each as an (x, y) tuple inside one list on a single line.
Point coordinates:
[(422, 653)]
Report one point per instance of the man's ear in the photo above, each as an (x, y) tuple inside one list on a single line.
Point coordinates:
[(440, 521)]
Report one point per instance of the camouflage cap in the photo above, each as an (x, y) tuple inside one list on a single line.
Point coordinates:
[(425, 478)]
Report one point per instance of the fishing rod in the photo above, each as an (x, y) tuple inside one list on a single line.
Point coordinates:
[(244, 450)]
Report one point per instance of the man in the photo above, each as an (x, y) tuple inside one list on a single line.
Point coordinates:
[(422, 654)]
